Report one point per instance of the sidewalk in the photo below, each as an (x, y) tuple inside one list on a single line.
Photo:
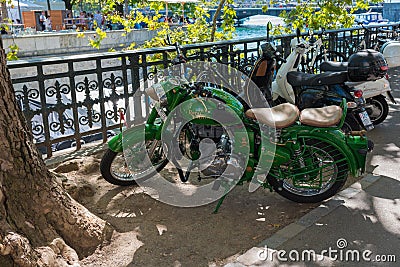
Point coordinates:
[(364, 218), (359, 226)]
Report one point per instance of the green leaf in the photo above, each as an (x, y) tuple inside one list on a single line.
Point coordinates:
[(264, 9)]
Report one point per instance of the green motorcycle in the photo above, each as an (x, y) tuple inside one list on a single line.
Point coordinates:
[(303, 156)]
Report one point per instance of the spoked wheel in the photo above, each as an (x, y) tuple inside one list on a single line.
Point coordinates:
[(114, 168), (377, 108), (316, 174)]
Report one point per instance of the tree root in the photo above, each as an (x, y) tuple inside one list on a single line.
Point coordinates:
[(57, 254)]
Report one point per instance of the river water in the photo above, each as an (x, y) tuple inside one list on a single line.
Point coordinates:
[(256, 26)]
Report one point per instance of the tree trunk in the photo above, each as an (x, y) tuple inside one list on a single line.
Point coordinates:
[(214, 24), (4, 13), (68, 4), (126, 7), (32, 203), (48, 5)]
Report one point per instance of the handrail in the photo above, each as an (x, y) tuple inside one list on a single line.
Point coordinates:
[(88, 94)]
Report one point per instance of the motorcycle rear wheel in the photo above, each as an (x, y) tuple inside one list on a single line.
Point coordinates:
[(114, 169), (379, 109), (321, 160), (351, 124)]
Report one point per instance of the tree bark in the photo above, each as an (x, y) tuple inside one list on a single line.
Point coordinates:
[(214, 23), (4, 13), (35, 211)]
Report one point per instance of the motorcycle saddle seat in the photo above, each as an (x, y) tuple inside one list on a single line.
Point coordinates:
[(296, 78), (280, 116), (321, 117), (333, 66)]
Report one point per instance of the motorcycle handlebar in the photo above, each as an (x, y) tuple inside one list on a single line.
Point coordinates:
[(180, 58), (279, 58)]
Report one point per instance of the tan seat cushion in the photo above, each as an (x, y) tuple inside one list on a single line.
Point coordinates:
[(280, 116), (321, 117)]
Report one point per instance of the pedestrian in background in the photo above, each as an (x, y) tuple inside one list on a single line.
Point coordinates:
[(98, 18), (42, 19), (47, 24), (90, 22)]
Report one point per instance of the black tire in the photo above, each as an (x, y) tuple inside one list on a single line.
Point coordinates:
[(378, 110), (313, 151), (125, 177), (351, 124), (330, 56)]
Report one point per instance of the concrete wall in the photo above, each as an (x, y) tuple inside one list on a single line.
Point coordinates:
[(391, 11), (43, 44)]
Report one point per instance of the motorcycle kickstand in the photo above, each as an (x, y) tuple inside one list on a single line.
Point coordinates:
[(185, 177), (227, 189), (219, 203)]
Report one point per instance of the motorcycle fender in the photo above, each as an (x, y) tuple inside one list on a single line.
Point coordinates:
[(374, 88), (354, 148), (115, 143), (389, 94), (132, 136)]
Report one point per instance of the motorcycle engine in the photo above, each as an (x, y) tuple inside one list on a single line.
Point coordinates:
[(215, 148)]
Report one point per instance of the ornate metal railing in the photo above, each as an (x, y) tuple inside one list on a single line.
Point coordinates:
[(76, 99)]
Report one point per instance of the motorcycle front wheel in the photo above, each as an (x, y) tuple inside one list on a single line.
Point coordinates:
[(316, 174), (114, 169), (377, 108)]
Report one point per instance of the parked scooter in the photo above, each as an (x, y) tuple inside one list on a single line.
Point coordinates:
[(375, 92), (308, 90)]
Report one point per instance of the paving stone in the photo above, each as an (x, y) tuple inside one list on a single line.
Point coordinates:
[(273, 241), (234, 264), (349, 192), (251, 257), (291, 230)]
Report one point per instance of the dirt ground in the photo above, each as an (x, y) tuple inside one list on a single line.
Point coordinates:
[(151, 233)]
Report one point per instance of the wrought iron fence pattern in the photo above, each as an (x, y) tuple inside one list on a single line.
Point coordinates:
[(72, 100)]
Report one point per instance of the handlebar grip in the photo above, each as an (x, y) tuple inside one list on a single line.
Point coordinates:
[(279, 58)]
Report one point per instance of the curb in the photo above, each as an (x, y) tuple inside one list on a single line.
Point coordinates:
[(275, 242)]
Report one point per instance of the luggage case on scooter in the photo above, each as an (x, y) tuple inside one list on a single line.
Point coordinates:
[(366, 65)]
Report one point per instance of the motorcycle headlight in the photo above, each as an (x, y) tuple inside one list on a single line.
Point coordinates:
[(158, 91), (155, 91)]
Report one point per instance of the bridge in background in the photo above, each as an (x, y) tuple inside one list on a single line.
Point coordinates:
[(245, 12), (242, 13)]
